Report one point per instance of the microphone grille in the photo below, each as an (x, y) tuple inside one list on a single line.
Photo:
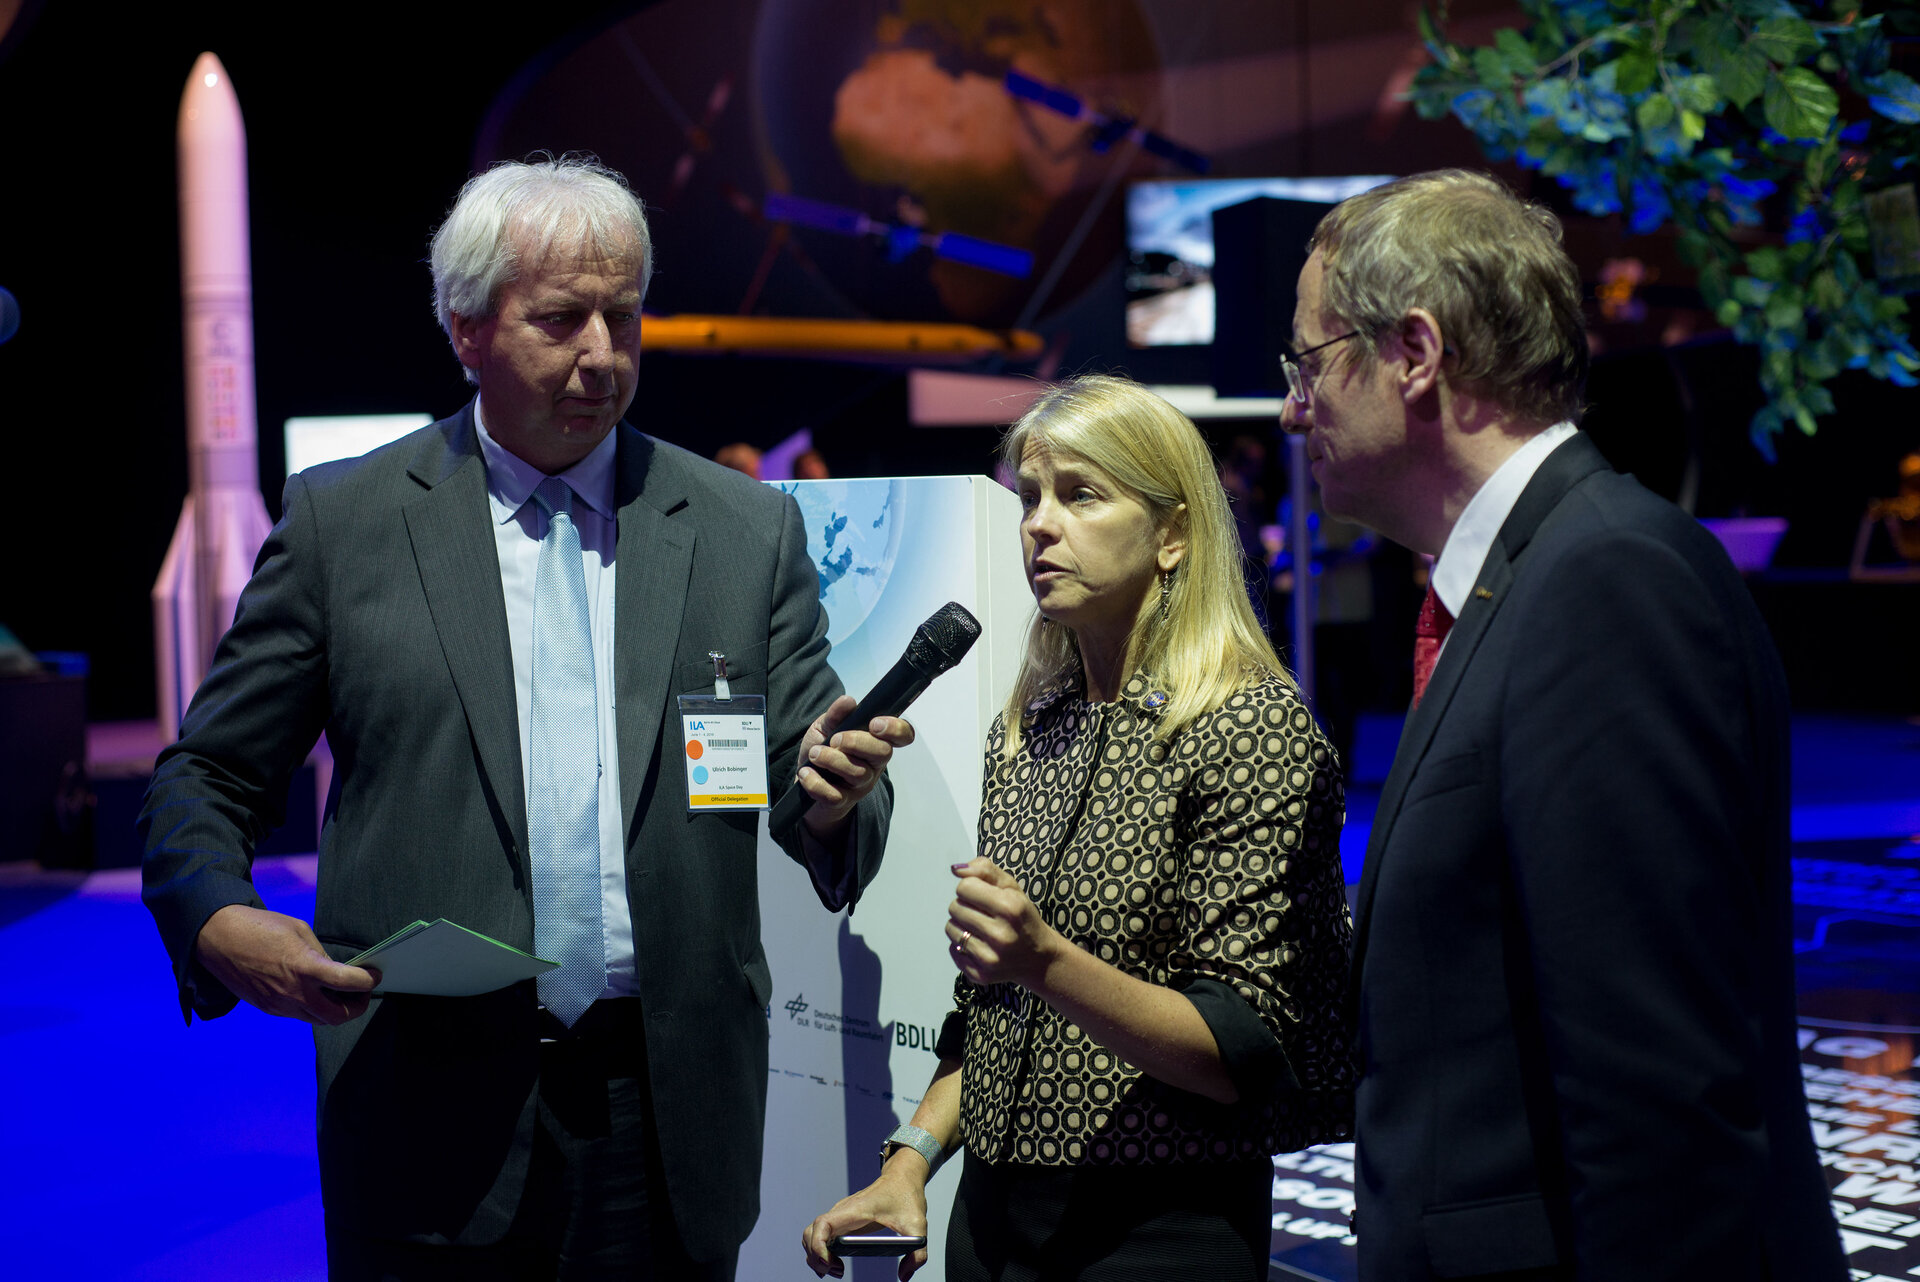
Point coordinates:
[(944, 639)]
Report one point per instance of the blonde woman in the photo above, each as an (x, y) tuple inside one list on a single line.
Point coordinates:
[(1153, 939)]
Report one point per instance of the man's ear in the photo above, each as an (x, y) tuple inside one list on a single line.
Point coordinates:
[(1173, 540), (469, 338), (1421, 350)]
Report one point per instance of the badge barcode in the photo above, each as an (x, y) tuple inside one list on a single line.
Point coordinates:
[(726, 743)]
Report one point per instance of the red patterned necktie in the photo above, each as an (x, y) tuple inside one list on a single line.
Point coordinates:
[(1428, 632)]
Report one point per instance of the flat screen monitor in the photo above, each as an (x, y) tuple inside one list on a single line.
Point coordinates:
[(323, 438), (1169, 279)]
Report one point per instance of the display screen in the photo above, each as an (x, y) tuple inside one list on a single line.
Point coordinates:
[(1170, 247)]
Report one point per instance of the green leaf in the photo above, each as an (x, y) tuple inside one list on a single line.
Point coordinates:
[(1728, 313), (1696, 93), (1491, 68), (1693, 246), (1776, 369), (1715, 287), (1767, 263), (1693, 126), (1826, 292), (1634, 72), (1799, 104), (1805, 421), (1654, 113), (1827, 358), (1818, 399), (1738, 68), (1430, 35), (1785, 40), (1549, 28), (1846, 199), (1820, 161), (1784, 311), (1562, 159), (1687, 39), (1515, 52), (1818, 363)]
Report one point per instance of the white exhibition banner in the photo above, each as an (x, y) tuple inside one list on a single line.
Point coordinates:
[(859, 998)]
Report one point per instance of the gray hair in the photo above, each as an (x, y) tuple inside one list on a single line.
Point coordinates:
[(1489, 267), (517, 213)]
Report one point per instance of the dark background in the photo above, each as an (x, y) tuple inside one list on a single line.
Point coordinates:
[(361, 123)]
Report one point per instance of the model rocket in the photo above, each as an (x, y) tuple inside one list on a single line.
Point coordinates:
[(223, 521)]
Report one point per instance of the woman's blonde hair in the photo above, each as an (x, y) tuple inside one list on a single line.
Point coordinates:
[(1209, 644)]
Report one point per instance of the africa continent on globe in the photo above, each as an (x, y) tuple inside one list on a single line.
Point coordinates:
[(924, 116)]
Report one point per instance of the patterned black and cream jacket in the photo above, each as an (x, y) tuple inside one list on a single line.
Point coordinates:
[(1209, 864)]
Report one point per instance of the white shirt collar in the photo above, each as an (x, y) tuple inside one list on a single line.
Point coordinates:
[(1473, 534), (511, 480)]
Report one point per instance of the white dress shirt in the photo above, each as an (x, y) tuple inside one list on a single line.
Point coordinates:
[(518, 527), (1458, 566)]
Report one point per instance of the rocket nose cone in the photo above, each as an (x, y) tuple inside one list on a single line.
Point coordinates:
[(209, 109), (207, 72)]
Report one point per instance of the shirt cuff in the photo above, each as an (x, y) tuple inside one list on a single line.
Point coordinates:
[(1255, 1061), (952, 1042)]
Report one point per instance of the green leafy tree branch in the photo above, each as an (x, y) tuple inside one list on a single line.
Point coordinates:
[(1699, 113)]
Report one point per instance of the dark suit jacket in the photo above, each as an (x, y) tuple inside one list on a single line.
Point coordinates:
[(375, 613), (1572, 967)]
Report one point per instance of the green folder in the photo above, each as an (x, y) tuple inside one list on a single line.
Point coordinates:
[(445, 959)]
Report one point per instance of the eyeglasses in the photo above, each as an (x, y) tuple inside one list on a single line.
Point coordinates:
[(1298, 388)]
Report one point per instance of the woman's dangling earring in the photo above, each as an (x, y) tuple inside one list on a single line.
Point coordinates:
[(1166, 593)]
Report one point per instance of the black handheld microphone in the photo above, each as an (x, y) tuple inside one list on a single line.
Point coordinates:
[(939, 643)]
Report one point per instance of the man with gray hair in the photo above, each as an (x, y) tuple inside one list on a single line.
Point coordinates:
[(1572, 975), (491, 620)]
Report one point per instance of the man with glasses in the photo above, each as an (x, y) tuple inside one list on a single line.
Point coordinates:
[(1571, 966)]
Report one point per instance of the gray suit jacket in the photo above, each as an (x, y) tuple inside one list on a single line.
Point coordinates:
[(1572, 968), (375, 613)]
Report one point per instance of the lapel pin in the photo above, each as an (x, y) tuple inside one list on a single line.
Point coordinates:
[(1485, 594)]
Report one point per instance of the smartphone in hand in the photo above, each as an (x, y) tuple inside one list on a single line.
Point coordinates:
[(875, 1244)]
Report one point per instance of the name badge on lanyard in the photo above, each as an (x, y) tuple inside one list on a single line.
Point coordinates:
[(724, 742)]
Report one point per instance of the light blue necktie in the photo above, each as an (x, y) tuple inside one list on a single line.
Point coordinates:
[(563, 775)]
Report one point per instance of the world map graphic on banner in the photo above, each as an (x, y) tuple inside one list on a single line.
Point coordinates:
[(860, 537)]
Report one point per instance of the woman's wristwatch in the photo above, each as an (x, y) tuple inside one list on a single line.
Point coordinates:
[(921, 1142)]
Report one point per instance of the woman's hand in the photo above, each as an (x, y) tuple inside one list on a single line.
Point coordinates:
[(994, 933), (996, 936), (896, 1201)]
